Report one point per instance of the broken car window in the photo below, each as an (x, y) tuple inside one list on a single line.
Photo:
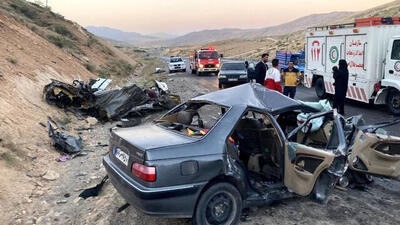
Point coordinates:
[(326, 136), (193, 119)]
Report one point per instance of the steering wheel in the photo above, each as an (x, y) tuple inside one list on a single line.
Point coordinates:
[(199, 120)]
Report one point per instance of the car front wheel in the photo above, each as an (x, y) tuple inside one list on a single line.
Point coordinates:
[(221, 204), (393, 102)]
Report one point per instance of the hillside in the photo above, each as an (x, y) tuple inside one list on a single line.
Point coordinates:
[(122, 36), (252, 48), (37, 45), (206, 36)]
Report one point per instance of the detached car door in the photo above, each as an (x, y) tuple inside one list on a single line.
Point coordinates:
[(376, 153), (305, 163)]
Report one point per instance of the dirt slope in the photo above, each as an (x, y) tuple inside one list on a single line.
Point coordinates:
[(28, 60)]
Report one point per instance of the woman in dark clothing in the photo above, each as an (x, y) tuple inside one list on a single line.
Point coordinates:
[(341, 77)]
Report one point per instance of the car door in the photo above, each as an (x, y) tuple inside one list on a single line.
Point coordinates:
[(304, 163), (392, 68), (375, 152)]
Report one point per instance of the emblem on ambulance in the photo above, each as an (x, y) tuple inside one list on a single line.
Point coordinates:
[(397, 66), (334, 54)]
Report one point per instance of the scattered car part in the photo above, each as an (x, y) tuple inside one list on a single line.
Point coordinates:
[(64, 142), (94, 191), (123, 207), (92, 99)]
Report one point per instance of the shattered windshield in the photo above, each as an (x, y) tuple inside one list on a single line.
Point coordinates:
[(193, 119)]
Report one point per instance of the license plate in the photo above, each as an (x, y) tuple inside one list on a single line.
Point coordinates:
[(232, 79), (121, 156)]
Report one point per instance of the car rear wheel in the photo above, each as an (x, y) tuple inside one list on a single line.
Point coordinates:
[(393, 102), (221, 204), (320, 88)]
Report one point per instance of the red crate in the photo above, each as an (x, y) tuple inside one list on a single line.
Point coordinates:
[(396, 20), (366, 22)]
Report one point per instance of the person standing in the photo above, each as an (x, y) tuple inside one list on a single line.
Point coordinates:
[(291, 78), (273, 77), (261, 69), (341, 77)]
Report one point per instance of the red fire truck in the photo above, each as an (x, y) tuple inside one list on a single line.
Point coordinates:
[(205, 60)]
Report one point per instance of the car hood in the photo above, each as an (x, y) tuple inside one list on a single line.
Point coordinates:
[(233, 72), (151, 136)]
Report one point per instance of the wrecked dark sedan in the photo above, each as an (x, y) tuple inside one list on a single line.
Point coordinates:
[(219, 153)]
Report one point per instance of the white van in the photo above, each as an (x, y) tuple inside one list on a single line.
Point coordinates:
[(371, 48)]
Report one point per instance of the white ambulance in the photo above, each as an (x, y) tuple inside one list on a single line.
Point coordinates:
[(371, 48)]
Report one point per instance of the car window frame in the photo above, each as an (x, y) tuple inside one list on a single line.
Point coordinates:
[(172, 111), (393, 56), (337, 119)]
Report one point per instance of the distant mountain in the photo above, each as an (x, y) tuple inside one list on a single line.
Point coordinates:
[(163, 35), (206, 36), (119, 35)]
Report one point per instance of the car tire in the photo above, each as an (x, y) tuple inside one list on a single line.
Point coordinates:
[(220, 204), (393, 101), (320, 88), (184, 70), (198, 73), (220, 86)]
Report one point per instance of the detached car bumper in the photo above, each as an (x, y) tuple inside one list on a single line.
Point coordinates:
[(174, 201)]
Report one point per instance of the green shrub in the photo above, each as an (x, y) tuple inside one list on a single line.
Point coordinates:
[(91, 67), (60, 41), (116, 68), (60, 29), (92, 41), (12, 60), (106, 50)]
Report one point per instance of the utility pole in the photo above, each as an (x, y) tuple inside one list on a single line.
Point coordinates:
[(46, 3)]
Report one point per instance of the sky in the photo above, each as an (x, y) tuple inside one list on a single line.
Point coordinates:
[(183, 16)]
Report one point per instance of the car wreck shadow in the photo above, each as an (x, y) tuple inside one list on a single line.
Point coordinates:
[(132, 216)]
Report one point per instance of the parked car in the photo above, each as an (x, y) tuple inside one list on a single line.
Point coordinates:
[(176, 64), (232, 73), (212, 156)]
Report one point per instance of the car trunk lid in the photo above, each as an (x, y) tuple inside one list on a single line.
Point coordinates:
[(135, 141)]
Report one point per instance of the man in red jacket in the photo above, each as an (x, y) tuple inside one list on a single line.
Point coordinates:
[(273, 77)]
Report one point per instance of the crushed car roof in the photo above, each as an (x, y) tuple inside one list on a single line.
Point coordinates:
[(256, 96)]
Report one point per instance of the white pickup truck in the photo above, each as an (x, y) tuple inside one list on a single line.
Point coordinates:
[(176, 64), (371, 48)]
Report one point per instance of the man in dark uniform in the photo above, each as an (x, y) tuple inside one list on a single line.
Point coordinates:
[(261, 69), (341, 77)]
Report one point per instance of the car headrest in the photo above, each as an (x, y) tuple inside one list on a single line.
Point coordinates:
[(185, 117)]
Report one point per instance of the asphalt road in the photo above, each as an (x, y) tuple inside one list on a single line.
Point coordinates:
[(371, 113)]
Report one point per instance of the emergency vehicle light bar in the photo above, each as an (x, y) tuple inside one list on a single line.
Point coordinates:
[(211, 48)]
